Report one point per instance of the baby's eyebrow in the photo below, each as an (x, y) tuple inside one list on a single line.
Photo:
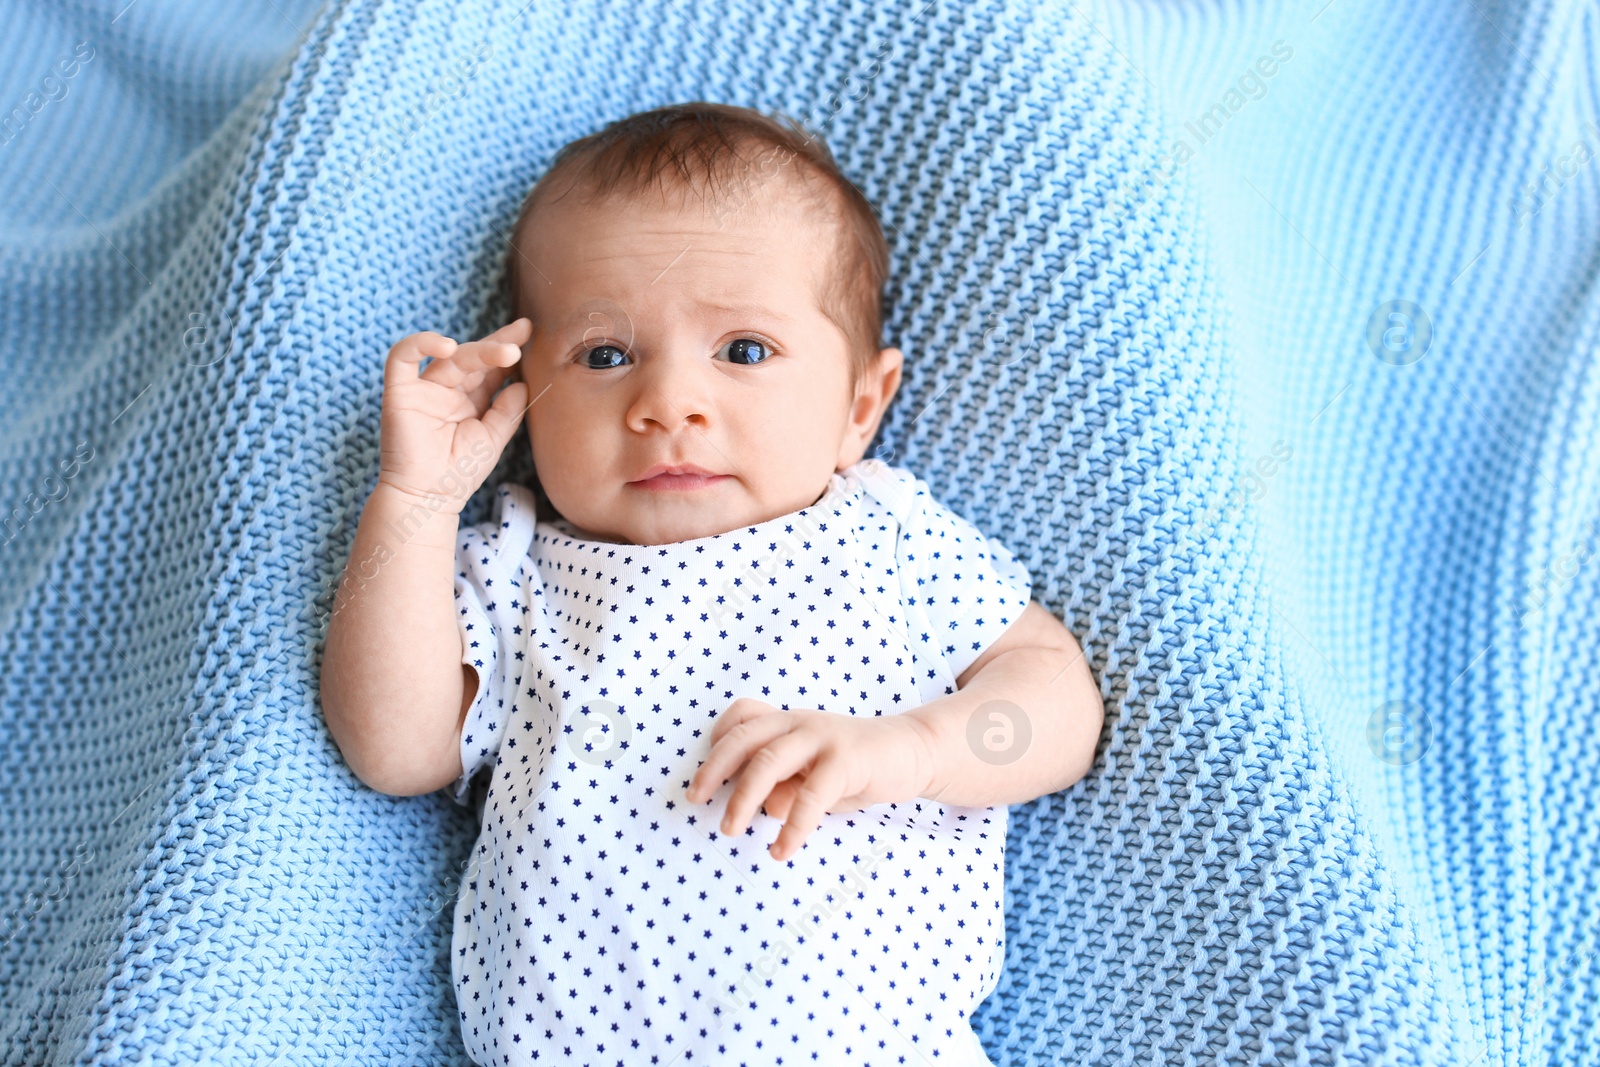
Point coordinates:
[(744, 309)]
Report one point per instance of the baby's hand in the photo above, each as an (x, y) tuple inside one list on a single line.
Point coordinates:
[(804, 763), (435, 438)]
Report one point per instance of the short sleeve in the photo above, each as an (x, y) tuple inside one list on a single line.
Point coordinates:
[(962, 589), (497, 587)]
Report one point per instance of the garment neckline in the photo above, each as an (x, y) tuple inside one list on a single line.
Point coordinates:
[(834, 496)]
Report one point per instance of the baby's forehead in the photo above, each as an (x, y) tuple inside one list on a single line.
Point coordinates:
[(788, 195), (775, 219)]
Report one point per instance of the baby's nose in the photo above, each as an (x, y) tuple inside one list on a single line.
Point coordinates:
[(670, 393)]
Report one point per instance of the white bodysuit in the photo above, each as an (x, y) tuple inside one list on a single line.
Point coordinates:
[(603, 919)]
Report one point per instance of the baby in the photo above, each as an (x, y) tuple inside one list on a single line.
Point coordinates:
[(750, 706)]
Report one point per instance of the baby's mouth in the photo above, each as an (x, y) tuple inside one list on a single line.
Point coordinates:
[(677, 478), (678, 482)]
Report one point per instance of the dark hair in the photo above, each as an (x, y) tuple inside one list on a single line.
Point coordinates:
[(702, 145)]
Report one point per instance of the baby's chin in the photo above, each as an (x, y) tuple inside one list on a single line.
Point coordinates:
[(686, 516), (662, 517)]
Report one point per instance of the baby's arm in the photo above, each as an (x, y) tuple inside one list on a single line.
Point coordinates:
[(1039, 739), (800, 764), (394, 689)]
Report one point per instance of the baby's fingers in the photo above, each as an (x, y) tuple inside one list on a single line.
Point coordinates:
[(777, 803), (785, 756), (729, 752), (475, 364), (497, 351), (741, 710), (400, 368), (517, 331), (811, 802), (505, 415)]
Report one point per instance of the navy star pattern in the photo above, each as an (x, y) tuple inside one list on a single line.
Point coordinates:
[(603, 918)]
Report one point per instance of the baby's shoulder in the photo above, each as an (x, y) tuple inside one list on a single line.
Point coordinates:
[(888, 488), (506, 536), (926, 532), (897, 494)]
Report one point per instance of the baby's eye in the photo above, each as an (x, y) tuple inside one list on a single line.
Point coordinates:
[(747, 351), (610, 357)]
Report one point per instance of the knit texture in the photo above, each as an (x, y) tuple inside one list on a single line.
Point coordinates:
[(1342, 807)]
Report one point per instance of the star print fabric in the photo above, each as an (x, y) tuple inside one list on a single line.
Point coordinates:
[(603, 919)]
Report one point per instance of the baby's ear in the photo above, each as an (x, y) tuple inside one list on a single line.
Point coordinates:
[(875, 389), (894, 361)]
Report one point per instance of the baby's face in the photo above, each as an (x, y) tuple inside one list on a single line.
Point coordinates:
[(661, 338)]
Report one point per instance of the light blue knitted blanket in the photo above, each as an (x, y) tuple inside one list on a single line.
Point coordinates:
[(1262, 333)]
